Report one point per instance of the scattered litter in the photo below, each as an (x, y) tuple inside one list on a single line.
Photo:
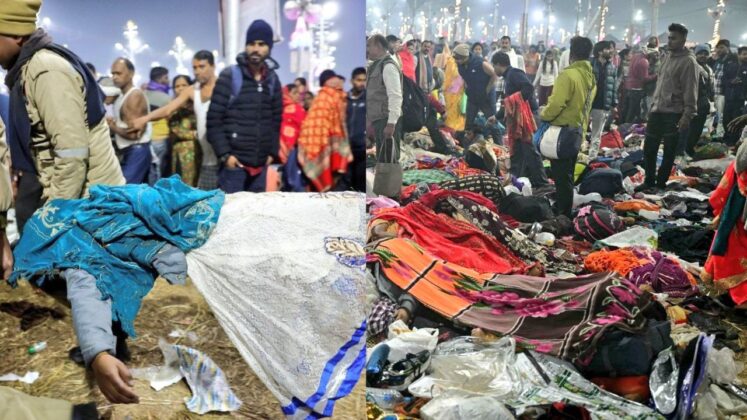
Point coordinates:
[(28, 378), (36, 348), (179, 333), (210, 389)]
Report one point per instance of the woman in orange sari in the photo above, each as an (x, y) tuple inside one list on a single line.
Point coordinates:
[(323, 149), (726, 265)]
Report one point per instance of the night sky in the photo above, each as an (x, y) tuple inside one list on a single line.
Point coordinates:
[(692, 13), (91, 28)]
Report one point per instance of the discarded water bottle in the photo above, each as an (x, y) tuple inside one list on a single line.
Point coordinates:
[(545, 238), (36, 348), (386, 399)]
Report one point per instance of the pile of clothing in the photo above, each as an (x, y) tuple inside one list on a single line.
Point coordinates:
[(484, 304)]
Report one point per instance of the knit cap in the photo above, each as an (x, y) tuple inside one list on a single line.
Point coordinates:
[(462, 50), (18, 17), (701, 48), (260, 30)]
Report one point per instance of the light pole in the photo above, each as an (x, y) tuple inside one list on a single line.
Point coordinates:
[(322, 56), (716, 15), (134, 45), (181, 53)]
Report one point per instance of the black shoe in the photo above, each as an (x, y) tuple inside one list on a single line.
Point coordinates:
[(646, 189), (76, 355)]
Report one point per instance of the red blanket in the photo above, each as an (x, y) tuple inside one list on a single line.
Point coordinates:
[(452, 240)]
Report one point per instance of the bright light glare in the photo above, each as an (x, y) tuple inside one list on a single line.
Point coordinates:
[(330, 9)]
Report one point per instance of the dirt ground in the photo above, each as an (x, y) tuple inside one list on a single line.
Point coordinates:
[(166, 308)]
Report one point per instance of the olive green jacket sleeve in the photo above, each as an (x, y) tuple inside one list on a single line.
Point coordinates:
[(6, 193), (55, 91)]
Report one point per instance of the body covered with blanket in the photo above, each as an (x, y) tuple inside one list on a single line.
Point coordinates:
[(121, 238)]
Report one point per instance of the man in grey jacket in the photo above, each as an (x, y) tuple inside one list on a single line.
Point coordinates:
[(674, 105), (383, 101)]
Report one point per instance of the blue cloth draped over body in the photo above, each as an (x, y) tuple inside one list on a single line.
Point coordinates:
[(114, 235)]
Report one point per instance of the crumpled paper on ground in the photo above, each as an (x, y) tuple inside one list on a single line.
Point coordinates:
[(210, 389), (28, 378), (635, 236)]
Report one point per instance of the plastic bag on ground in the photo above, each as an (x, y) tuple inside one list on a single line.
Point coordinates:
[(635, 236), (402, 340), (458, 405), (663, 381), (581, 199), (472, 365), (546, 380), (526, 186), (262, 282), (721, 367), (718, 165)]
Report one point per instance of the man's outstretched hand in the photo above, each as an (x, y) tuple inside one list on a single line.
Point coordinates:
[(114, 379)]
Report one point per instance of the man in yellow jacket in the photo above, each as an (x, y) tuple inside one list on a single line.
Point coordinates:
[(568, 107)]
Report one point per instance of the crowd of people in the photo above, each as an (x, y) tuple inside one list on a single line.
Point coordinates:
[(236, 130), (677, 91), (502, 184)]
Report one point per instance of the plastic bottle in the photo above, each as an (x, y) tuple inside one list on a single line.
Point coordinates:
[(386, 399), (545, 238), (36, 348)]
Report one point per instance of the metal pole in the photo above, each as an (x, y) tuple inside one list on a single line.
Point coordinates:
[(524, 22), (548, 11), (655, 18), (495, 21), (602, 20), (578, 18)]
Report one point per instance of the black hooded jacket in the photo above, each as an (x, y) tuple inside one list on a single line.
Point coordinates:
[(247, 126)]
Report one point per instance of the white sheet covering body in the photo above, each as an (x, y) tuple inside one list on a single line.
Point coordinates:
[(284, 275)]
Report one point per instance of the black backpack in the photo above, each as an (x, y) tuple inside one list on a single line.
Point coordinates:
[(414, 106), (621, 353)]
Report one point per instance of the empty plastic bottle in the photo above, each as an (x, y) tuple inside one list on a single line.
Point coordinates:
[(36, 348)]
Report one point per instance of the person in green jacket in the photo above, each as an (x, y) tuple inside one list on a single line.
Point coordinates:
[(568, 107)]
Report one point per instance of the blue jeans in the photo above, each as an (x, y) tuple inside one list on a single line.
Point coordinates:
[(237, 180), (136, 160)]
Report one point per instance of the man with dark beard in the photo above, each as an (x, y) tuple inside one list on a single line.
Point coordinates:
[(243, 122)]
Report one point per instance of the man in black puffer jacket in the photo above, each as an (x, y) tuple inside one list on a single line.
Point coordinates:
[(243, 122)]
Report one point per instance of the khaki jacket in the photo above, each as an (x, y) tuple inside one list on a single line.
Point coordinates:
[(69, 156), (6, 193)]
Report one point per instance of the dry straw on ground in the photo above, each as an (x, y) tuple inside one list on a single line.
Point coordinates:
[(166, 308)]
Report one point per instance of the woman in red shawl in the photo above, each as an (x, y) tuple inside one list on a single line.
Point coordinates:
[(726, 265), (323, 148), (293, 116), (407, 57)]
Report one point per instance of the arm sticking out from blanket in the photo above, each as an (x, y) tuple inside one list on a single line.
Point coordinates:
[(94, 332)]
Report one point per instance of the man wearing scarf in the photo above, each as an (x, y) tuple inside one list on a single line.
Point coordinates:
[(424, 67), (58, 132), (157, 94)]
